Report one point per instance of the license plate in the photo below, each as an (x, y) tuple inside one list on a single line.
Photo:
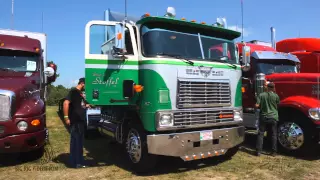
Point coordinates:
[(206, 135)]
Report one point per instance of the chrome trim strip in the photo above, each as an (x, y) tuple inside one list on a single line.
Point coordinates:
[(182, 144)]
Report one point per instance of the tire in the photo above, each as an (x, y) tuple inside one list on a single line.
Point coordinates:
[(294, 135), (137, 150)]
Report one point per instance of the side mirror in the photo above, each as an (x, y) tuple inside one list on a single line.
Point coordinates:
[(128, 89), (119, 50), (246, 58), (49, 71)]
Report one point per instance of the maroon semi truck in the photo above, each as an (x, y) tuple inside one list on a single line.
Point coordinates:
[(24, 76)]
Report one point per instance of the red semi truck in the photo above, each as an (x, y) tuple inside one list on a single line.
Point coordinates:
[(24, 76), (299, 123), (306, 49)]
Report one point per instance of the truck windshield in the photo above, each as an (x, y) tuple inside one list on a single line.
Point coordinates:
[(158, 41), (18, 61), (271, 68)]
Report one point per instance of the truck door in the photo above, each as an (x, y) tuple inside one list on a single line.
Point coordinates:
[(248, 98), (105, 71)]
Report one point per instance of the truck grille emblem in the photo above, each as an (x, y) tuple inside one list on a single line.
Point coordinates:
[(205, 71)]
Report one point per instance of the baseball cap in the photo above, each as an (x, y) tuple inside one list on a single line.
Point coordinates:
[(81, 80)]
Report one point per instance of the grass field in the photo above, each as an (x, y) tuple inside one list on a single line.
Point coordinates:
[(108, 161)]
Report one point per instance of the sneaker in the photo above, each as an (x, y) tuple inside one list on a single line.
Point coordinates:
[(80, 166)]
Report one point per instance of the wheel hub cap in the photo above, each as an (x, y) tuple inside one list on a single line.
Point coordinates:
[(290, 135), (134, 146)]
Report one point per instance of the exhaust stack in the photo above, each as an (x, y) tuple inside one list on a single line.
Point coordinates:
[(273, 37)]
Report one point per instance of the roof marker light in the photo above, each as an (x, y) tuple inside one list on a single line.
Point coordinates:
[(203, 23), (183, 19), (193, 20)]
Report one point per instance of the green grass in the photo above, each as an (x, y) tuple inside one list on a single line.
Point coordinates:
[(108, 162)]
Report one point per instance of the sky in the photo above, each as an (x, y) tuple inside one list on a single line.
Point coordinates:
[(64, 21)]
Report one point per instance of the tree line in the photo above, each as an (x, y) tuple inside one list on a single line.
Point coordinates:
[(55, 94)]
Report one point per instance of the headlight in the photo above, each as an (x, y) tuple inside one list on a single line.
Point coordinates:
[(166, 120), (314, 113), (22, 125), (237, 115)]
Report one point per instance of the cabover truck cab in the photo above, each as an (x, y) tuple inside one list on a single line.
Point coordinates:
[(160, 90), (299, 96), (24, 75)]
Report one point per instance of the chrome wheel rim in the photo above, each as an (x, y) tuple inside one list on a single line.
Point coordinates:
[(134, 146), (290, 135)]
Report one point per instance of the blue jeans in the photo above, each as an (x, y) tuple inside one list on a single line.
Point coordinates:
[(263, 123), (76, 144)]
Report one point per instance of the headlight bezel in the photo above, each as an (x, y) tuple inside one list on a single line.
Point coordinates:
[(25, 125), (315, 116), (158, 119), (239, 113)]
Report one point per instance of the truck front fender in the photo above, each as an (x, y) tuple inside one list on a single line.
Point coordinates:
[(300, 103)]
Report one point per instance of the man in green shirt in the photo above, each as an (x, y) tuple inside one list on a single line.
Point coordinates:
[(268, 102)]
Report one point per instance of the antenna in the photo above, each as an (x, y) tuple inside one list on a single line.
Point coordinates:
[(125, 10), (12, 17), (242, 18), (42, 22)]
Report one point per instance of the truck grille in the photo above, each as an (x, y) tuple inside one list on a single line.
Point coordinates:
[(4, 107), (202, 117), (203, 94)]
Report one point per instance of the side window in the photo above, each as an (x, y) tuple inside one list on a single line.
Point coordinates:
[(102, 40)]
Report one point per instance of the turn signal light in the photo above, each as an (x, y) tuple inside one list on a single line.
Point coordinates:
[(35, 122), (209, 154), (2, 44), (138, 88), (225, 116), (37, 49), (243, 89)]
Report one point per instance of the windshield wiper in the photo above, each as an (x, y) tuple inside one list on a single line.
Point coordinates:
[(176, 56), (7, 69), (224, 61)]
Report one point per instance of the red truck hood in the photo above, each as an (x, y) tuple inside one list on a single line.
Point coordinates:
[(296, 84), (20, 85)]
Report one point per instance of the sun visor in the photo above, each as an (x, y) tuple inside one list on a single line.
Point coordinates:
[(119, 17), (274, 55)]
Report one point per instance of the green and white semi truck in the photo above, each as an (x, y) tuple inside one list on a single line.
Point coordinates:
[(165, 86)]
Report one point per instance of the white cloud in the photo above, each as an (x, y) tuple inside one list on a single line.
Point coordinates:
[(246, 31)]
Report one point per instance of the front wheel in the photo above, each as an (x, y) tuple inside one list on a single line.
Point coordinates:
[(137, 151), (293, 136)]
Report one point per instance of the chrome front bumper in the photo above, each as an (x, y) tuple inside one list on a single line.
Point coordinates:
[(189, 146)]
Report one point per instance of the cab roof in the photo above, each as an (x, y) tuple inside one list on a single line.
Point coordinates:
[(215, 31)]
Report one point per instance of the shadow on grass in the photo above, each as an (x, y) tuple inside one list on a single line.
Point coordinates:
[(104, 152)]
